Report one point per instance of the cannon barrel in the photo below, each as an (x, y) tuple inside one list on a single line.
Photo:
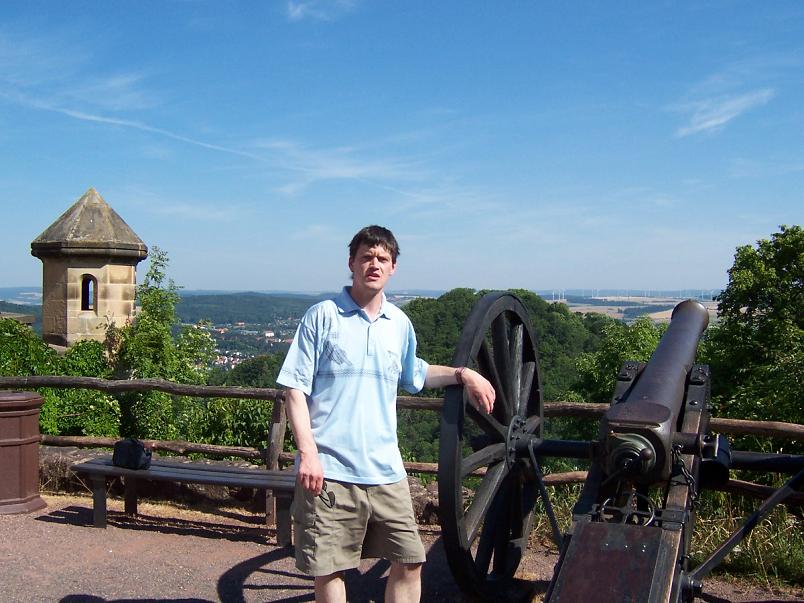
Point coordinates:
[(637, 431)]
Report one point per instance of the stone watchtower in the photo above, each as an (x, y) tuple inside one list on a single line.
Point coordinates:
[(89, 258)]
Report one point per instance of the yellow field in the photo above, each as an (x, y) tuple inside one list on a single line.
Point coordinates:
[(614, 310)]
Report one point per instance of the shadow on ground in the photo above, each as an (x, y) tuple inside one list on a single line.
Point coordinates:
[(270, 576), (82, 516)]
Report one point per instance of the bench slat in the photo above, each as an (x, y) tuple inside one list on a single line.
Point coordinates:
[(162, 462), (200, 474)]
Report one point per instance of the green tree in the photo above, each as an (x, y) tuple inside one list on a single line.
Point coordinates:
[(260, 371), (83, 411), (235, 422), (226, 422), (756, 351), (597, 371), (23, 353), (65, 411), (147, 348), (561, 336), (438, 323)]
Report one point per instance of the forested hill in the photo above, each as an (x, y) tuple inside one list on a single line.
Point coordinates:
[(229, 308), (561, 334), (32, 310)]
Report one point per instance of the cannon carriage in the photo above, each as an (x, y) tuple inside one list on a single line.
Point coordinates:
[(633, 522)]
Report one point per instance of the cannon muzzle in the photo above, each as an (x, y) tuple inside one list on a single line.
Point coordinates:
[(637, 431)]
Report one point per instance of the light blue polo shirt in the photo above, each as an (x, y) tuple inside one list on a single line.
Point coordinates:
[(350, 368)]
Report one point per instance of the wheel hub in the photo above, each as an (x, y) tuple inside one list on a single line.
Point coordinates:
[(517, 440)]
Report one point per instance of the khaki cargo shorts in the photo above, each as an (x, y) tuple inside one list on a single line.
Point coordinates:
[(364, 522)]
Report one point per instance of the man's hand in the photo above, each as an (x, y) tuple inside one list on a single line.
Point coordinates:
[(479, 390), (311, 474)]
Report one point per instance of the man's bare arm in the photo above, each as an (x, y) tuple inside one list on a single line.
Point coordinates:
[(480, 390), (311, 474)]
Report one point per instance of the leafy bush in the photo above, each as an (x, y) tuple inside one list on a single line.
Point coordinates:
[(597, 371), (226, 422), (84, 411), (23, 353), (238, 422)]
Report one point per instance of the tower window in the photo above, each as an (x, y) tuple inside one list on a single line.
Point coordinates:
[(89, 293)]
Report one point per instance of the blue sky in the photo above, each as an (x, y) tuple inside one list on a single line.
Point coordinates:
[(523, 144)]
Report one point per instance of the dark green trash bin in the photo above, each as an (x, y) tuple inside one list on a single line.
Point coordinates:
[(19, 452)]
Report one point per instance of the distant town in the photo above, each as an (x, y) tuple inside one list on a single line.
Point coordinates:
[(238, 340)]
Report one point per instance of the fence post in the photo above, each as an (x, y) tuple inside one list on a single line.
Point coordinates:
[(276, 438)]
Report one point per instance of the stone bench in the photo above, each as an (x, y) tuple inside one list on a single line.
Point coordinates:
[(281, 483)]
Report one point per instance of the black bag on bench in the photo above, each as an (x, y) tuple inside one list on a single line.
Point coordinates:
[(131, 453)]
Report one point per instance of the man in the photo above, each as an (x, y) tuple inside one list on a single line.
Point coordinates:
[(348, 358)]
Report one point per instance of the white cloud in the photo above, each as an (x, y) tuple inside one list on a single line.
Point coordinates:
[(198, 212), (56, 68), (316, 232), (49, 105), (320, 10), (29, 60), (158, 151), (311, 165), (308, 165), (713, 114), (116, 92), (765, 168)]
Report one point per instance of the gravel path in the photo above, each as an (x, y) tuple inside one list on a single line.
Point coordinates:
[(168, 554)]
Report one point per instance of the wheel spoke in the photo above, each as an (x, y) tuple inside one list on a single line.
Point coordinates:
[(485, 548), (532, 424), (528, 372), (490, 532), (484, 495), (488, 368), (515, 363), (502, 542), (488, 423), (502, 361), (483, 458)]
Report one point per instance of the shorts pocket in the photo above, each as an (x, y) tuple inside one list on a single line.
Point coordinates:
[(303, 509)]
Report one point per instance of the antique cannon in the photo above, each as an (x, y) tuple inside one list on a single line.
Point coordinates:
[(633, 522)]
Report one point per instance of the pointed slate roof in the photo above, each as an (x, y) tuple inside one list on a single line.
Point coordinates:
[(89, 227)]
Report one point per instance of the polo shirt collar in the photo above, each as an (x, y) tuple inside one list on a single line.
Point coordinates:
[(347, 305)]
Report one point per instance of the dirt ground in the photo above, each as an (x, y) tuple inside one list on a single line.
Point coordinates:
[(172, 554)]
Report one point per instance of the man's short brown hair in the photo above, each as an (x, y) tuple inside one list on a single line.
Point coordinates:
[(374, 235)]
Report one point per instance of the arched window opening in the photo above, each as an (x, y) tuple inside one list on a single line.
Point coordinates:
[(89, 293)]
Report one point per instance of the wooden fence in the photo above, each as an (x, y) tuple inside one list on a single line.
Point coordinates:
[(274, 456)]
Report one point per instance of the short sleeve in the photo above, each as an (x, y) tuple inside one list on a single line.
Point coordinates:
[(300, 363), (414, 369)]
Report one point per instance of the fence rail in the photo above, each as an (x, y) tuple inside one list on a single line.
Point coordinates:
[(274, 456)]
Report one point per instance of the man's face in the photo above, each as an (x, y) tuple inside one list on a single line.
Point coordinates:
[(371, 267)]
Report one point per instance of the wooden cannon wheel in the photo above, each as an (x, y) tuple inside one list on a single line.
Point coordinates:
[(485, 535)]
